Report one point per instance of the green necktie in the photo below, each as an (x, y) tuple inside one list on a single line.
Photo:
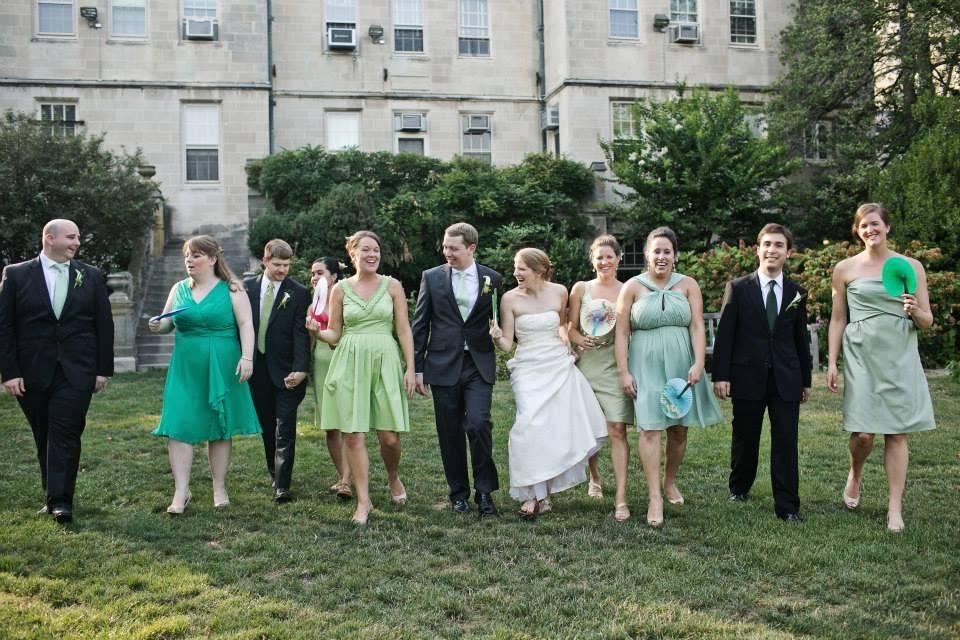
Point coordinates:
[(265, 310), (772, 305), (60, 288), (460, 293)]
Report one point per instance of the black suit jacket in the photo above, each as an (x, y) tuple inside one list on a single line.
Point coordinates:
[(439, 331), (744, 344), (287, 340), (33, 341)]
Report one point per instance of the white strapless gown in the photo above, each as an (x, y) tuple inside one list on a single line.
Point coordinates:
[(559, 420)]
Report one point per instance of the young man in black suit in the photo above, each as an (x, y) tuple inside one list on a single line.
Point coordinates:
[(56, 351), (280, 361), (761, 359), (454, 355)]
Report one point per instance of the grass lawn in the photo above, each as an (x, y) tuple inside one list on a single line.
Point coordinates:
[(125, 569)]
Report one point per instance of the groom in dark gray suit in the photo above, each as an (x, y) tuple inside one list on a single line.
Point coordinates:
[(454, 355)]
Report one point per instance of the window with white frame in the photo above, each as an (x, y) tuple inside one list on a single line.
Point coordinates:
[(683, 12), (816, 141), (410, 130), (339, 14), (61, 115), (55, 18), (477, 138), (343, 130), (623, 121), (408, 26), (623, 19), (200, 20), (128, 18), (201, 142), (743, 21), (474, 28)]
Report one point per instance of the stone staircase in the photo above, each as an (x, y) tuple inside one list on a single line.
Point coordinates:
[(154, 349)]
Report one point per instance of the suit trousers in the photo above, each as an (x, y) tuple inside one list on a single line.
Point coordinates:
[(462, 410), (57, 417), (745, 447), (277, 413)]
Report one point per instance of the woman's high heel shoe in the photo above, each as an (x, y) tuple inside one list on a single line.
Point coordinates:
[(175, 511), (852, 503)]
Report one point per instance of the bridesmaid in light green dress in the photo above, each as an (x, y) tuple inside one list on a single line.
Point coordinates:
[(367, 386), (885, 390), (661, 335), (592, 312)]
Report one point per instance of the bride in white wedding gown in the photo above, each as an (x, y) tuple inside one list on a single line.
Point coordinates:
[(559, 420)]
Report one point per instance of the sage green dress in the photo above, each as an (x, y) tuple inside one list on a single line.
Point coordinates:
[(884, 389), (660, 349), (202, 397), (322, 356), (599, 367), (363, 388)]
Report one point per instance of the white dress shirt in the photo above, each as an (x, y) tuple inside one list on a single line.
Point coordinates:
[(471, 283), (765, 288), (50, 273)]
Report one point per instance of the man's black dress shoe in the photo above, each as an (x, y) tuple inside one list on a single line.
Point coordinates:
[(792, 518), (485, 505), (62, 515), (737, 497), (461, 506), (283, 496)]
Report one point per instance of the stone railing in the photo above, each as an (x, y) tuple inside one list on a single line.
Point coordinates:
[(125, 317)]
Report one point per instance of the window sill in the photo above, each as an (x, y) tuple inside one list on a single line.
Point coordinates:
[(744, 46), (419, 56), (203, 185), (620, 41), (215, 43), (468, 57), (54, 38), (128, 40)]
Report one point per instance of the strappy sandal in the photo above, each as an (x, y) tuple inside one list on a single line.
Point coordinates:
[(595, 490), (621, 512), (852, 503), (531, 513), (544, 506), (344, 492)]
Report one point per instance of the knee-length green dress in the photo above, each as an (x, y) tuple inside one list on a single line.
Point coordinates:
[(322, 356), (363, 388), (202, 398), (599, 367), (660, 349), (884, 389)]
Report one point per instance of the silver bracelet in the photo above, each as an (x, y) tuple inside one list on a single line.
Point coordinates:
[(246, 358)]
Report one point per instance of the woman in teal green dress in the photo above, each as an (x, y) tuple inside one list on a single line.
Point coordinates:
[(368, 385), (661, 335), (592, 314), (885, 390), (205, 396)]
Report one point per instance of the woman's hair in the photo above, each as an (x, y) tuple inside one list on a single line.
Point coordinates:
[(662, 232), (866, 209), (537, 261), (606, 240), (332, 266), (209, 247), (353, 242)]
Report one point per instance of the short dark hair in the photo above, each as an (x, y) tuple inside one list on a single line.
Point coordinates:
[(277, 248), (332, 265), (775, 227)]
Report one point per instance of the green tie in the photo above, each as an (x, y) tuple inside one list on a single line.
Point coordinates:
[(60, 288), (265, 310), (460, 293), (772, 305)]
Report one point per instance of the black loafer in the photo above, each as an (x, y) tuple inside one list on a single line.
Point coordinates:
[(791, 518), (485, 506), (62, 515), (283, 496), (737, 497), (461, 506)]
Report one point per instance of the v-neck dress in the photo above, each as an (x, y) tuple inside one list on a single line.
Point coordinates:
[(363, 389), (599, 367), (202, 398)]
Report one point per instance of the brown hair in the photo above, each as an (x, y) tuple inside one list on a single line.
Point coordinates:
[(465, 230), (773, 227), (537, 261), (208, 246), (354, 241), (662, 232), (278, 249), (866, 209), (606, 240)]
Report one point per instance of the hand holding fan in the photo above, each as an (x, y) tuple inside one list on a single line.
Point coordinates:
[(899, 277), (676, 398), (319, 304)]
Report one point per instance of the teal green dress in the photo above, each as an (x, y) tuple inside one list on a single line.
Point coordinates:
[(202, 398), (884, 389), (660, 349), (599, 367), (363, 388)]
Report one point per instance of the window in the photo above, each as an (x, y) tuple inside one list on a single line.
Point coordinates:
[(476, 136), (623, 121), (340, 14), (743, 21), (201, 141), (200, 20), (623, 19), (410, 129), (410, 145), (55, 17), (816, 141), (407, 26), (632, 255), (128, 18), (683, 11), (200, 9), (343, 130), (757, 123), (63, 114), (474, 28)]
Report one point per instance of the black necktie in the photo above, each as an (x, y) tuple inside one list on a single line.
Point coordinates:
[(772, 305)]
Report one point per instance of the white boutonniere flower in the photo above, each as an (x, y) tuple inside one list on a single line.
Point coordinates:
[(796, 300), (284, 299), (486, 284), (78, 280)]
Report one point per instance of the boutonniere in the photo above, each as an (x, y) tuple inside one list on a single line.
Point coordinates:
[(78, 280), (796, 300), (283, 300), (486, 285)]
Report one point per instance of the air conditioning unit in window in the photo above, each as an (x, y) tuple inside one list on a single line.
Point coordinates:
[(413, 122), (342, 38), (684, 33), (550, 118), (198, 29), (478, 124)]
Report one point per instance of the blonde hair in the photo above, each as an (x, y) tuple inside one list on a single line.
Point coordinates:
[(465, 230), (353, 242), (537, 261), (208, 246), (277, 248), (866, 209), (606, 240)]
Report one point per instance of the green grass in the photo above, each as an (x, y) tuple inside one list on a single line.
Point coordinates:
[(125, 569)]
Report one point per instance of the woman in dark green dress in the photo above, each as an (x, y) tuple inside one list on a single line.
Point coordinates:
[(205, 397)]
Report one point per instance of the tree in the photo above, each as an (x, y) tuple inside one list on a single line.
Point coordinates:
[(44, 175), (697, 167)]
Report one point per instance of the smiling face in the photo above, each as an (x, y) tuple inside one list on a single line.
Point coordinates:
[(605, 262), (62, 241), (366, 256), (199, 264), (872, 230), (772, 251), (526, 277), (660, 256), (458, 254), (319, 270)]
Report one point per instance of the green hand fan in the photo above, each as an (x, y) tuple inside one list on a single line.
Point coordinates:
[(899, 277)]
